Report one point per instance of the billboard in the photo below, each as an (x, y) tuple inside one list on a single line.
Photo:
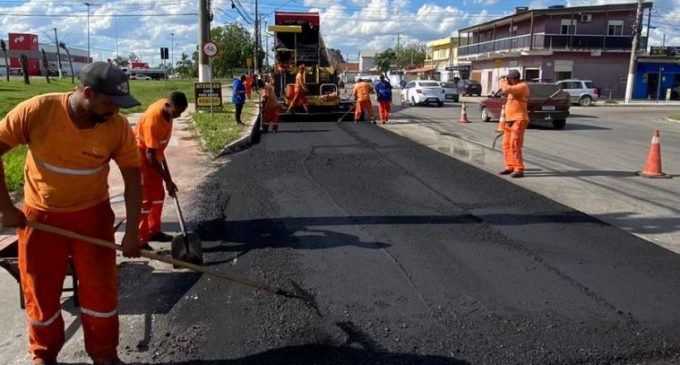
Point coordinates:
[(23, 42)]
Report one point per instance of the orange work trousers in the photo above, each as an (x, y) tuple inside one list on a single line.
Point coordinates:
[(361, 106), (271, 116), (513, 141), (43, 258), (384, 108), (153, 196), (300, 98)]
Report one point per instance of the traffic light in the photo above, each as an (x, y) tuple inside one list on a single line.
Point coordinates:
[(164, 53)]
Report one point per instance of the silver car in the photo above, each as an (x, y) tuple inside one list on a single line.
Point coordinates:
[(582, 92), (450, 90)]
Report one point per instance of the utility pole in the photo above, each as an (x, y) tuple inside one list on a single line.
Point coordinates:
[(663, 44), (172, 52), (88, 31), (56, 43), (633, 52), (266, 45), (203, 64), (257, 40)]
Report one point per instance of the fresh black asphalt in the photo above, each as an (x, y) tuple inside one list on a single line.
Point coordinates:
[(413, 257)]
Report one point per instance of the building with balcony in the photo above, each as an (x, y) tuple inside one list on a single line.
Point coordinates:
[(442, 59), (585, 42)]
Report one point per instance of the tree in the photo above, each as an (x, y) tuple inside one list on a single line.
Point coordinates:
[(235, 45), (3, 46), (385, 60), (132, 57), (121, 61), (70, 61), (413, 54), (184, 66), (335, 55)]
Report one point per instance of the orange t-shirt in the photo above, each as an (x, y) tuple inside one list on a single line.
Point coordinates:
[(153, 130), (66, 168), (362, 91), (518, 97), (269, 95)]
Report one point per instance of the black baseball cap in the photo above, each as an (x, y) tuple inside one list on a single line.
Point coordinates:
[(513, 74), (109, 80)]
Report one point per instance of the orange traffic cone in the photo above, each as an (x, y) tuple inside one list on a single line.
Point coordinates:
[(463, 114), (501, 121), (653, 165)]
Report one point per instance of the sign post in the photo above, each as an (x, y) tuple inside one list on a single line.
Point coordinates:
[(208, 94)]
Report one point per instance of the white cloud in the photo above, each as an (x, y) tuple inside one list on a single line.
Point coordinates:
[(485, 2)]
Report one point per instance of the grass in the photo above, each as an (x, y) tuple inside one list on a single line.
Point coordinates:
[(213, 131), (217, 129), (674, 116)]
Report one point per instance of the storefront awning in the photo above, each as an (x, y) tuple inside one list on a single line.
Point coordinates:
[(421, 69)]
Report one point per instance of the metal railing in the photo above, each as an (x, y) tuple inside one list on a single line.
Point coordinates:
[(553, 42)]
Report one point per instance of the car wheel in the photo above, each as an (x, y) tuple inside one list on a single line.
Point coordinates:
[(440, 104), (585, 100), (485, 116), (559, 123), (413, 101)]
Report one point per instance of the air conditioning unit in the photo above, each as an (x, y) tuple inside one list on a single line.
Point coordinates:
[(586, 18)]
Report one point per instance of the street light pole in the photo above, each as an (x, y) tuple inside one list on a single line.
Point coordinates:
[(172, 52), (88, 31)]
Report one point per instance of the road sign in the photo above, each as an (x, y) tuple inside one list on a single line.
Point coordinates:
[(498, 63), (210, 49), (208, 95), (249, 62)]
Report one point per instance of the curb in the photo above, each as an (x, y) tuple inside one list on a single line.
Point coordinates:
[(671, 120), (244, 142)]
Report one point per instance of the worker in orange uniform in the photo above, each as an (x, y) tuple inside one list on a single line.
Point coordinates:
[(362, 96), (269, 104), (154, 130), (249, 86), (300, 97), (516, 122), (71, 138)]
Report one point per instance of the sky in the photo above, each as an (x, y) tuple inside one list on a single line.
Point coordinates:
[(143, 26)]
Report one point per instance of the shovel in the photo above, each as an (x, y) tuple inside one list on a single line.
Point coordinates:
[(297, 292), (186, 246)]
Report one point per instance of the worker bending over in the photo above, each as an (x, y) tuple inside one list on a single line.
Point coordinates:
[(362, 96)]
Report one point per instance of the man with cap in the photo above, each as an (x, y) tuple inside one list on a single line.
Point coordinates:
[(153, 132), (71, 138), (516, 122)]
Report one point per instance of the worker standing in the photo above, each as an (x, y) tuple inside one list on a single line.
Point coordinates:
[(300, 97), (362, 96), (153, 132), (71, 138), (383, 91), (238, 97), (269, 104), (249, 86), (516, 122)]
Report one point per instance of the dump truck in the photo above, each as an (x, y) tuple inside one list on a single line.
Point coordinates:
[(298, 40)]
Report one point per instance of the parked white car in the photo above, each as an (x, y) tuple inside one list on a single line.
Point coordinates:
[(423, 92), (140, 77)]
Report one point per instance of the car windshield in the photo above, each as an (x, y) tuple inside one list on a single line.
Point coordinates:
[(428, 84), (541, 91), (449, 84)]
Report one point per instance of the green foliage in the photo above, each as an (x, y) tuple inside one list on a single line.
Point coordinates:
[(184, 67), (121, 61), (384, 60), (216, 129), (674, 117), (410, 55), (235, 45), (611, 101), (14, 167)]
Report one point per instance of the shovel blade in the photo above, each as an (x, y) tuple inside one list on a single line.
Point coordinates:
[(187, 248)]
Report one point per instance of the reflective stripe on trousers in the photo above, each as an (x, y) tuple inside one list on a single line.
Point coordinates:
[(43, 258), (153, 196)]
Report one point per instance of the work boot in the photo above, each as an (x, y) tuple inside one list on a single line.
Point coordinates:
[(161, 237), (505, 172), (517, 174)]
